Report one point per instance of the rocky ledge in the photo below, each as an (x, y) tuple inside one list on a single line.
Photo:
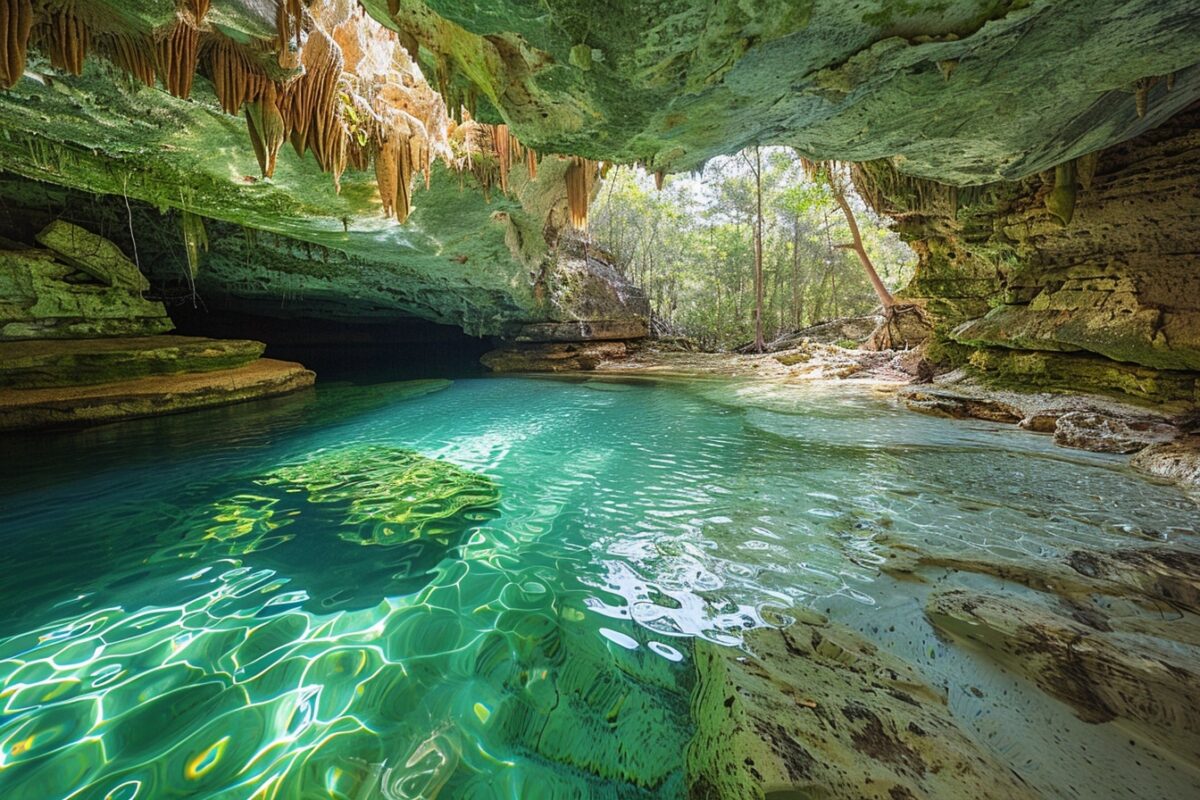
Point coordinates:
[(148, 396), (1161, 435), (79, 344)]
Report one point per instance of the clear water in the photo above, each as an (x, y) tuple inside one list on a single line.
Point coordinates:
[(176, 620)]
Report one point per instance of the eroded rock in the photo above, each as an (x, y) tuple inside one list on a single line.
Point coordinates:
[(92, 254), (817, 711), (553, 357), (1178, 461), (1103, 674), (1103, 433)]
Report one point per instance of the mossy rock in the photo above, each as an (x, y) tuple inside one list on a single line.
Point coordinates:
[(392, 495), (1071, 372)]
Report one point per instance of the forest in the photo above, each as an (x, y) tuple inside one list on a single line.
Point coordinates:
[(690, 245)]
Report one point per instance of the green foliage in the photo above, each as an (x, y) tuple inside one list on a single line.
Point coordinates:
[(691, 248)]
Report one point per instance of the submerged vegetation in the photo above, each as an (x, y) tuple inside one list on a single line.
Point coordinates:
[(691, 247)]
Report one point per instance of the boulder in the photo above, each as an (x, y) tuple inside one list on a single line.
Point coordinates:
[(40, 298), (92, 254)]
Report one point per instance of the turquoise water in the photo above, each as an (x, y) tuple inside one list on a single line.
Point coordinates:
[(241, 604)]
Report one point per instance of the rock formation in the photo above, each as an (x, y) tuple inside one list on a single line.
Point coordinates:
[(79, 344)]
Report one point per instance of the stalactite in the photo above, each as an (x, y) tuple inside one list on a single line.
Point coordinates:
[(177, 54), (1141, 94), (503, 144), (265, 125), (16, 22), (195, 239), (235, 77), (289, 21), (393, 174), (130, 52), (65, 38), (1061, 200), (309, 105), (579, 174)]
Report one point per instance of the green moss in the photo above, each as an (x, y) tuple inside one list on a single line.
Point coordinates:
[(1025, 370), (391, 495)]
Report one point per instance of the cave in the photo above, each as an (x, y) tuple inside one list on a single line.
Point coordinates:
[(711, 400)]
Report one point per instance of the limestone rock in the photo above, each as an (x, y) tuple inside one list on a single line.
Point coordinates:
[(583, 330), (41, 299), (78, 362), (1102, 433), (553, 357), (817, 711), (1148, 683), (149, 396), (1177, 461), (940, 402), (92, 254)]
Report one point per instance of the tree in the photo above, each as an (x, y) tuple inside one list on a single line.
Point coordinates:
[(745, 251), (837, 186)]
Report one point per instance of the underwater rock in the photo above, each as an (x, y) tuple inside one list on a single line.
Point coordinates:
[(149, 396), (1150, 575), (391, 495), (1103, 433), (1104, 675), (817, 711), (1178, 461)]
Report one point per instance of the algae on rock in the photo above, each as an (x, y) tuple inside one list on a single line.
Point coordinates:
[(391, 495)]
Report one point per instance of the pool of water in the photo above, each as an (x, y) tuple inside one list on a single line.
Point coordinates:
[(239, 604)]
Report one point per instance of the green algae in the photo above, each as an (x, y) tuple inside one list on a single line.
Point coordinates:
[(391, 495)]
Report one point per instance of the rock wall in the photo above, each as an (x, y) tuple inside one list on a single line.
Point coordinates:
[(1082, 277)]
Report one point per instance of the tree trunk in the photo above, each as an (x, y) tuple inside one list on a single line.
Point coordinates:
[(759, 344), (796, 272), (839, 195)]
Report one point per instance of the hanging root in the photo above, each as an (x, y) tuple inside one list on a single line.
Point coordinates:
[(16, 22)]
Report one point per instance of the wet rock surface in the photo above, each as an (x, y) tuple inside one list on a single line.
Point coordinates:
[(1102, 672), (816, 711)]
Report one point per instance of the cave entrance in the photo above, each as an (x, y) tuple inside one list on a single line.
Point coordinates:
[(339, 349)]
